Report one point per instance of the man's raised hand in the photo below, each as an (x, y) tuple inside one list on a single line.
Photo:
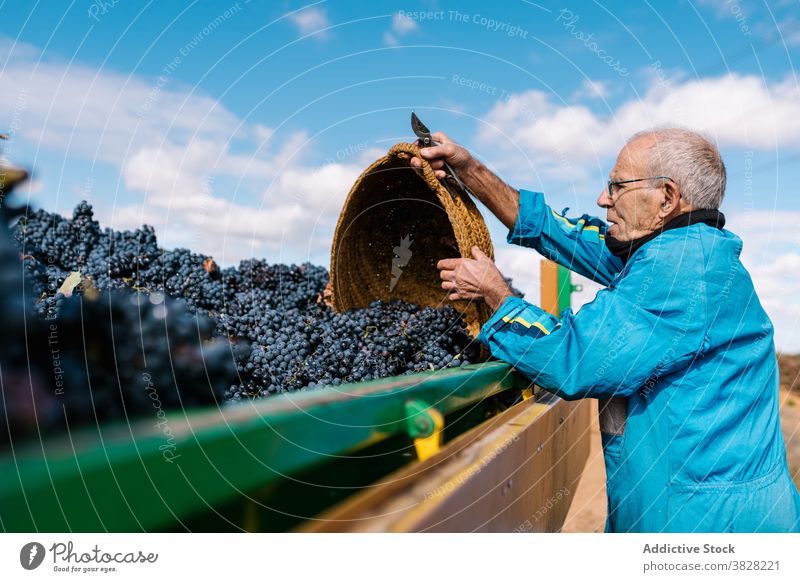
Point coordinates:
[(447, 151)]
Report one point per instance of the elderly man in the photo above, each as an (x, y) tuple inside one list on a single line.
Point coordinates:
[(677, 347)]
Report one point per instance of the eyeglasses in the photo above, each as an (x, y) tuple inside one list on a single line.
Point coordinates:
[(610, 185)]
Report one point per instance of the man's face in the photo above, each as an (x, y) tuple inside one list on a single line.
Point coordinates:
[(633, 212)]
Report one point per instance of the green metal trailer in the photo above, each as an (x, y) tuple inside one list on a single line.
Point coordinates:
[(470, 448)]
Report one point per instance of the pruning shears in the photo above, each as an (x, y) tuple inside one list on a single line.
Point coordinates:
[(424, 135)]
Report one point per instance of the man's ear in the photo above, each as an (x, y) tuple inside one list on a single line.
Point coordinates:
[(671, 201)]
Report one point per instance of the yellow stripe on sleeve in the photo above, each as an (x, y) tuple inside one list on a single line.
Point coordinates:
[(580, 222), (535, 324), (541, 327), (507, 319)]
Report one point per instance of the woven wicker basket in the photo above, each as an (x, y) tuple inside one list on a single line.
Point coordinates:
[(397, 223)]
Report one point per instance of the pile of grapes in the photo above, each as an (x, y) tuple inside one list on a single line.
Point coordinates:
[(102, 324)]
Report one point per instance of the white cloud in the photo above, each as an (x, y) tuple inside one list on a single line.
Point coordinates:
[(723, 8), (311, 20), (591, 90), (736, 110), (771, 254), (762, 231), (788, 31), (523, 265), (777, 283), (101, 114), (31, 187), (298, 210), (401, 26), (181, 151), (262, 133)]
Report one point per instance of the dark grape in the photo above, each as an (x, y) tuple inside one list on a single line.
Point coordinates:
[(141, 318)]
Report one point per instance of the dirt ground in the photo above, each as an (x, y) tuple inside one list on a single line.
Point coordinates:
[(588, 510)]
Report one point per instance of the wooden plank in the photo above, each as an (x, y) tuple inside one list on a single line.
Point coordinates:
[(515, 472), (549, 286)]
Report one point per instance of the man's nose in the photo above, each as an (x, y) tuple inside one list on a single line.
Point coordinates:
[(604, 200)]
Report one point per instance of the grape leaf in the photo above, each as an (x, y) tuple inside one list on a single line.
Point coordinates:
[(69, 284)]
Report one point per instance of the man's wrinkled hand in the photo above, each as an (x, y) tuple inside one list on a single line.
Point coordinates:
[(475, 278), (447, 151)]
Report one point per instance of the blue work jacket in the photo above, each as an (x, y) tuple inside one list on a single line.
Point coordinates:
[(680, 354)]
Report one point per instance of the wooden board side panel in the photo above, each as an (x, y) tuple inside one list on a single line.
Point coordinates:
[(516, 472)]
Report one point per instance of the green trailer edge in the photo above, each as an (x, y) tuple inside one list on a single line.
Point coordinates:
[(151, 475)]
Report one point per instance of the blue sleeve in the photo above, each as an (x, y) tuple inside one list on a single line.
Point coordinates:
[(576, 243), (647, 327)]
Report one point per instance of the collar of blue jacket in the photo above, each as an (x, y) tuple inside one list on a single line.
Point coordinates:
[(624, 249)]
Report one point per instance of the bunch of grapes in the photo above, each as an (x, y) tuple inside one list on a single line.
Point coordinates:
[(131, 318), (74, 354), (294, 349)]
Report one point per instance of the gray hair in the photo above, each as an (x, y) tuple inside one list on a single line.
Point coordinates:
[(691, 160)]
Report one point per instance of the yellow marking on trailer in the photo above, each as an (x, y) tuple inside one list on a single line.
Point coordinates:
[(250, 520), (428, 446)]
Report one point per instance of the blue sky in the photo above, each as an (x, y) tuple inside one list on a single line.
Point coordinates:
[(237, 128)]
